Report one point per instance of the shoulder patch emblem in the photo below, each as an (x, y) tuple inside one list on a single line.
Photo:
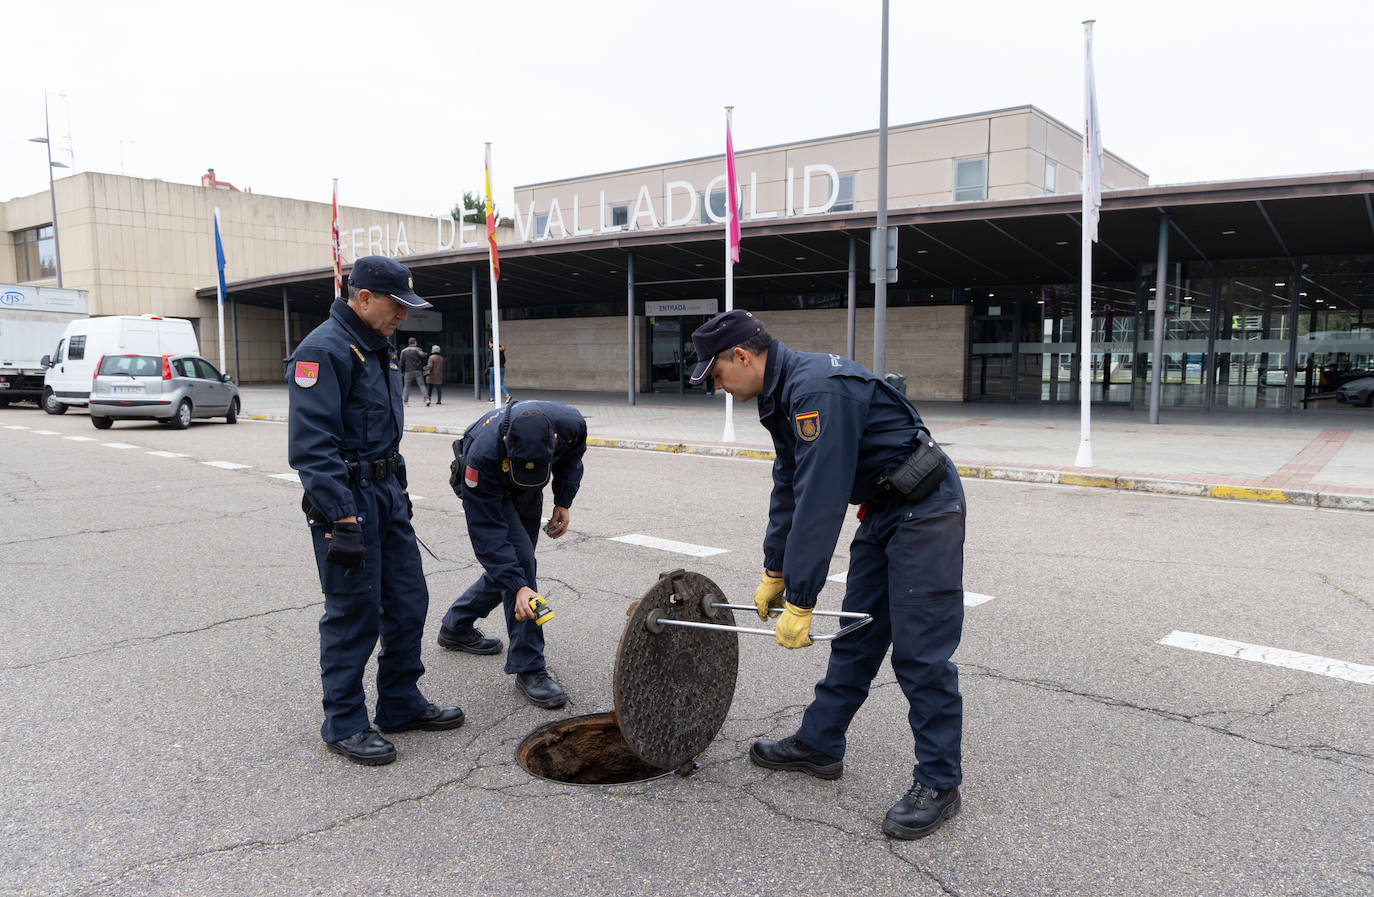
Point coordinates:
[(808, 426), (307, 373), (470, 477)]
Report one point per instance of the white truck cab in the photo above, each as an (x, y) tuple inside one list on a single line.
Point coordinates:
[(69, 370)]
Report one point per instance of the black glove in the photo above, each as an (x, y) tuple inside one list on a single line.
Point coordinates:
[(346, 547), (410, 507)]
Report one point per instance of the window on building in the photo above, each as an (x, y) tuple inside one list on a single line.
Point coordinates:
[(970, 179), (1050, 171), (620, 216), (77, 348), (717, 205), (35, 253), (540, 222), (844, 202)]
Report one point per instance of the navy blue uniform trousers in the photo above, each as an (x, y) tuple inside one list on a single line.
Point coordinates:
[(521, 513), (906, 568), (387, 598)]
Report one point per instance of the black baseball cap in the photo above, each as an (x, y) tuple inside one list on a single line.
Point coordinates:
[(726, 330), (529, 447), (386, 277)]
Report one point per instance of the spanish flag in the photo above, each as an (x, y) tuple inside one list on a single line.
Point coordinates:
[(491, 223)]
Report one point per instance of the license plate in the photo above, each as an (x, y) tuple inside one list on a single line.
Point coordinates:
[(4, 384), (126, 390)]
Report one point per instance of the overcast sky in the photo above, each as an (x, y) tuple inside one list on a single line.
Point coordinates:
[(396, 102)]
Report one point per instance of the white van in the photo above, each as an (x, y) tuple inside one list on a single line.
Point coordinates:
[(67, 380)]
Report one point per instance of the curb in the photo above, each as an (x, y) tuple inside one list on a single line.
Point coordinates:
[(1198, 489)]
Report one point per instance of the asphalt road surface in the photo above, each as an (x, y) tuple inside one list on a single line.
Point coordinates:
[(159, 686)]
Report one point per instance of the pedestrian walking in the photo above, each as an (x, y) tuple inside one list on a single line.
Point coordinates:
[(344, 387), (412, 370), (491, 374), (843, 436), (434, 376)]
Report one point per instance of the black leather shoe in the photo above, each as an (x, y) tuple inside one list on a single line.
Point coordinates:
[(540, 689), (470, 640), (920, 812), (367, 748), (431, 719), (792, 753)]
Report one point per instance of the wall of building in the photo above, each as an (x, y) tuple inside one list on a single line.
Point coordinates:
[(567, 353), (921, 163)]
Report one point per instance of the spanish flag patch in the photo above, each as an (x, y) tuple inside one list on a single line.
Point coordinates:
[(808, 426)]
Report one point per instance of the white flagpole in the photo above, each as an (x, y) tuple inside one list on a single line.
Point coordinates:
[(729, 433), (496, 390), (219, 291), (1085, 320)]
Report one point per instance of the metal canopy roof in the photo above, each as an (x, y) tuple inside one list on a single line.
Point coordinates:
[(1030, 240)]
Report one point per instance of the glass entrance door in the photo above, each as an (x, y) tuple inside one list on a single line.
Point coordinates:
[(671, 353)]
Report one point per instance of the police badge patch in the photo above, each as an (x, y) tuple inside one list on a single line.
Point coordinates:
[(808, 426), (307, 373)]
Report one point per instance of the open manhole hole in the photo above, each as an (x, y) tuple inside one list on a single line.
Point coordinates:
[(584, 750), (673, 686)]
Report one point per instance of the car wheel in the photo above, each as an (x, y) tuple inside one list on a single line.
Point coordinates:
[(4, 403), (101, 423), (182, 419), (233, 416), (50, 403)]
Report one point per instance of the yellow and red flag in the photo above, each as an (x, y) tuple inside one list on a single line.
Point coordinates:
[(491, 223), (334, 243)]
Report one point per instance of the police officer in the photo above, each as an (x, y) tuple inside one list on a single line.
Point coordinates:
[(345, 426), (844, 437), (501, 465)]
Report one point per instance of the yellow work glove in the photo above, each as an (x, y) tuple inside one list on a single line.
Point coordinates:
[(794, 626), (768, 594)]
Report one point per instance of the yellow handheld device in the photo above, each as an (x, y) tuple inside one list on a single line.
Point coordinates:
[(542, 612)]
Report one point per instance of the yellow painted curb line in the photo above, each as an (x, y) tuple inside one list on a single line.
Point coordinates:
[(1086, 479), (1248, 493)]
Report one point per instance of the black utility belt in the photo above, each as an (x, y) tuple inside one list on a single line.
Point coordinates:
[(379, 469), (917, 476)]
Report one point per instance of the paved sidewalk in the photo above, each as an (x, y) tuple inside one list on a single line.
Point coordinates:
[(1323, 459)]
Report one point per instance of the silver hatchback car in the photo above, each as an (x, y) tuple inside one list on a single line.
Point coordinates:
[(170, 389)]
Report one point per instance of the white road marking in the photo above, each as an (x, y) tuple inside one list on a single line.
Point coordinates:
[(15, 427), (1279, 657), (46, 433), (292, 477), (118, 445), (696, 551), (168, 454), (971, 599), (225, 465), (80, 438)]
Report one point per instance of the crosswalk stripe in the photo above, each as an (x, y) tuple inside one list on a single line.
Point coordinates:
[(120, 445), (168, 454), (225, 465)]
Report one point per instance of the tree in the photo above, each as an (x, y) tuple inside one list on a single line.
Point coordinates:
[(471, 209)]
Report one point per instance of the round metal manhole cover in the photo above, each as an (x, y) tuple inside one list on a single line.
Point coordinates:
[(673, 688)]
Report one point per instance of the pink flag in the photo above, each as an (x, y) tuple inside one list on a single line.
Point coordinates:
[(731, 195)]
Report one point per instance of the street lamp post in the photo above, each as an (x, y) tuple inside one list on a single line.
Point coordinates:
[(52, 194)]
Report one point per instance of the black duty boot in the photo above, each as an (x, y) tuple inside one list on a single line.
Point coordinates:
[(367, 748), (432, 719), (470, 640), (793, 753), (540, 689), (920, 812)]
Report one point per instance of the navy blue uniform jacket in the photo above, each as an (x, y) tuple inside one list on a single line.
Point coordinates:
[(345, 390), (486, 486), (835, 427)]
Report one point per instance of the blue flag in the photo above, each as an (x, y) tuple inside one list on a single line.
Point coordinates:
[(219, 258)]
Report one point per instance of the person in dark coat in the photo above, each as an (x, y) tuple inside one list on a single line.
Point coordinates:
[(501, 466), (344, 387), (412, 370), (842, 437), (434, 376), (491, 374)]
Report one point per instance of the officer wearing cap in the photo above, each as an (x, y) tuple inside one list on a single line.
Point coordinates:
[(345, 426), (845, 437), (501, 465)]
